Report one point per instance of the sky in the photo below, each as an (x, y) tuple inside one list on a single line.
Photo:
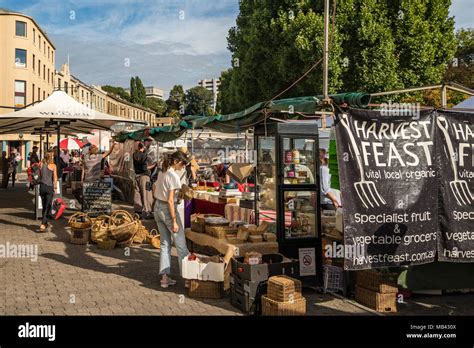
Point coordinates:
[(165, 42)]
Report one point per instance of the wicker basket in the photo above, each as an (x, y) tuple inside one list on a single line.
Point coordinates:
[(76, 223), (205, 289), (382, 282), (100, 228), (272, 307), (220, 232), (154, 239), (122, 226), (283, 288), (106, 244), (80, 236), (375, 300), (141, 234)]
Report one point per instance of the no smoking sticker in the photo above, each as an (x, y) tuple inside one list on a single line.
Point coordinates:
[(307, 263)]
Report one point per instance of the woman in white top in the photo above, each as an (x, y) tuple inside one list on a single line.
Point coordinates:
[(166, 191)]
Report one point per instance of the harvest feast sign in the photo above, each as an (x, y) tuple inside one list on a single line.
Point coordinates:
[(397, 176)]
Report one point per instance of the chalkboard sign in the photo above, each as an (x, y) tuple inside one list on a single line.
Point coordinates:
[(97, 198)]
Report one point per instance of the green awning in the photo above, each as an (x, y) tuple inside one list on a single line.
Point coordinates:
[(248, 118)]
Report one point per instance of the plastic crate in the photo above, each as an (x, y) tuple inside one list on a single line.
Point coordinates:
[(333, 278)]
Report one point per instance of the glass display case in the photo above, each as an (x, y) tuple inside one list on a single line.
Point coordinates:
[(288, 190)]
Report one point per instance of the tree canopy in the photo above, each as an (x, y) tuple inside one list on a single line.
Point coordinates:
[(375, 46)]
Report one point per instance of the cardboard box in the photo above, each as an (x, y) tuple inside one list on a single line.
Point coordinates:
[(240, 171), (210, 271)]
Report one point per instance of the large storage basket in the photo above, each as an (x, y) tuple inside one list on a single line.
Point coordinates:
[(277, 308), (205, 289), (375, 300), (382, 282)]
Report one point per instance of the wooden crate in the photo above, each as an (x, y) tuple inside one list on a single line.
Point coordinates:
[(205, 289), (220, 232), (385, 303), (283, 288), (384, 283), (276, 308)]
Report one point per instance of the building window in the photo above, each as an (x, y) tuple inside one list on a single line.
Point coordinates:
[(48, 52), (39, 39), (44, 47), (20, 58), (44, 95), (20, 93), (20, 29), (39, 94), (44, 72), (66, 87), (34, 36), (48, 75), (39, 67), (33, 93), (59, 84), (34, 58), (52, 56), (82, 94)]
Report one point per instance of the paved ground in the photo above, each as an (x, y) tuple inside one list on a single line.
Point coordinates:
[(71, 279)]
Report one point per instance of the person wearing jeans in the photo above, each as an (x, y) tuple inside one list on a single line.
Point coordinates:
[(48, 183), (166, 190)]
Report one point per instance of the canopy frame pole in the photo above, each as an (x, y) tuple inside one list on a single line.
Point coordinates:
[(41, 145), (58, 151), (326, 52)]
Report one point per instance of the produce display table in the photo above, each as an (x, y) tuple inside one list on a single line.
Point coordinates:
[(210, 203), (230, 250)]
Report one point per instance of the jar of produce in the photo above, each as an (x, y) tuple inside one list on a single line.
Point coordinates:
[(288, 157), (296, 156)]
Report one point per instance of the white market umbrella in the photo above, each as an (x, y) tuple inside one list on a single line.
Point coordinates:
[(59, 107)]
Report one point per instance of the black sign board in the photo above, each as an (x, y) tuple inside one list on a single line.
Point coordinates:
[(97, 198), (455, 149), (389, 184)]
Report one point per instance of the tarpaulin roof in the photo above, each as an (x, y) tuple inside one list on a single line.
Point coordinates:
[(248, 118)]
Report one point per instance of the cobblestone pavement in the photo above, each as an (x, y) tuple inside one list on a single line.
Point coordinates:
[(69, 279)]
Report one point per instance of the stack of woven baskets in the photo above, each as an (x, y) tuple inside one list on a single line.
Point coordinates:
[(120, 228), (283, 297)]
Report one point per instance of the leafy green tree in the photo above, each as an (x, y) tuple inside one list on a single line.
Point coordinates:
[(375, 46), (461, 69), (157, 105), (141, 92), (175, 101), (118, 91), (198, 101), (133, 91)]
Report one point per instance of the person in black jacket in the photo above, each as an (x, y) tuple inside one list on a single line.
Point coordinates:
[(143, 199)]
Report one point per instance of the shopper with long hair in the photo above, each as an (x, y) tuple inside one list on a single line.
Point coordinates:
[(48, 183), (166, 193)]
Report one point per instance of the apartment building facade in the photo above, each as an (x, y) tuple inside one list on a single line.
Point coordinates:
[(27, 61), (28, 76), (213, 86)]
